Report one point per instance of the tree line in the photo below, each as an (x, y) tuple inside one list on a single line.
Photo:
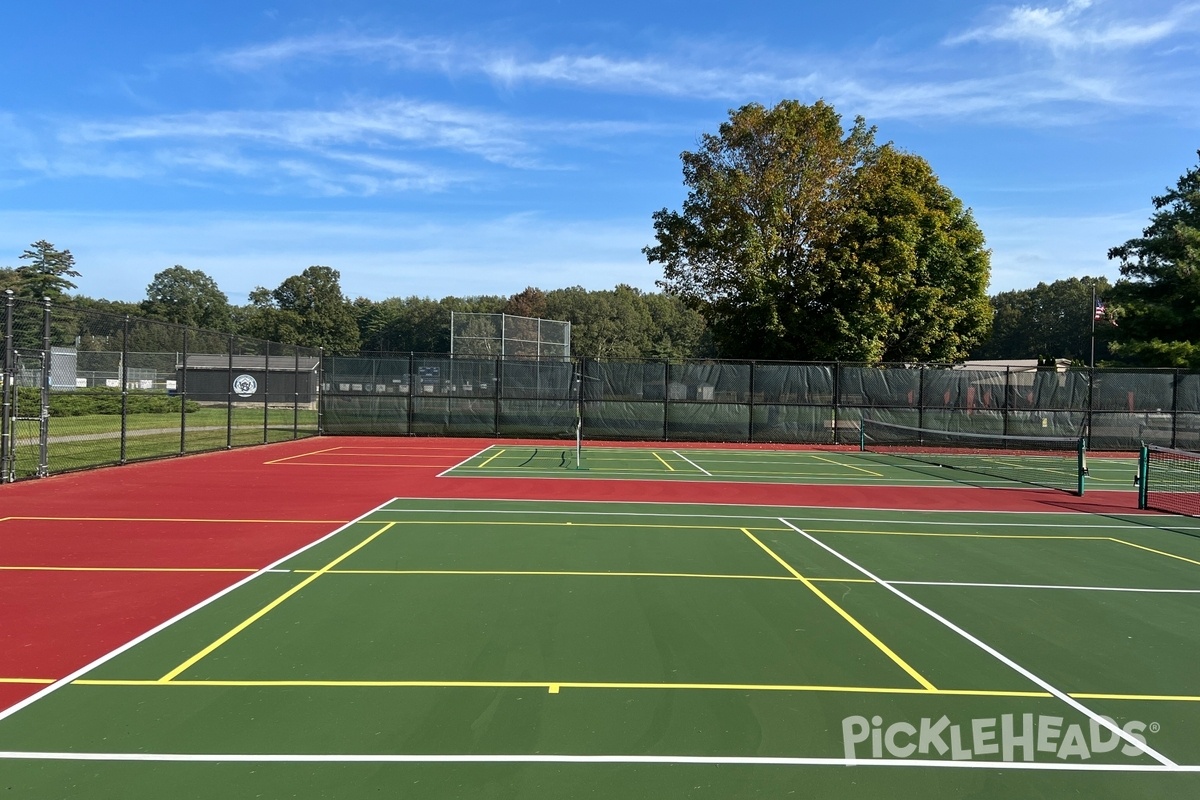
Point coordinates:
[(311, 309), (800, 239)]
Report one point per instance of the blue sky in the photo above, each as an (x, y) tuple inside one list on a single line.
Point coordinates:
[(458, 148)]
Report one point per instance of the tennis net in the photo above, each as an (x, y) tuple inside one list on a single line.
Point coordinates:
[(1055, 462), (1169, 480)]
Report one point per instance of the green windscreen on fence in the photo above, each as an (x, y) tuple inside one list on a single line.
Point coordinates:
[(710, 400)]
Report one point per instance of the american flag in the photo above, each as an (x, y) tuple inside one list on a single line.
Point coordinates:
[(1102, 312)]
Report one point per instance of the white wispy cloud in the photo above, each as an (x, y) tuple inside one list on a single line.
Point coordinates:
[(946, 80), (394, 50), (387, 122), (1080, 24)]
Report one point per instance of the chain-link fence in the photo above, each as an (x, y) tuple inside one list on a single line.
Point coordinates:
[(751, 401), (474, 333), (82, 389)]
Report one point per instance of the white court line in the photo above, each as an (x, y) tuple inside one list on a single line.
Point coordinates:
[(896, 521), (693, 463), (61, 682), (1140, 515), (1061, 695), (1046, 586), (544, 758), (465, 460)]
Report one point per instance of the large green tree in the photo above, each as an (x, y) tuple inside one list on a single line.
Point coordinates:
[(307, 309), (1051, 320), (802, 240), (1158, 294), (47, 273), (187, 297)]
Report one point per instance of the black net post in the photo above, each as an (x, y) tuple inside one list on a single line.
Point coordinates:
[(1143, 469), (1081, 466)]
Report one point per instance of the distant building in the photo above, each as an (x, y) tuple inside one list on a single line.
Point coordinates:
[(217, 378)]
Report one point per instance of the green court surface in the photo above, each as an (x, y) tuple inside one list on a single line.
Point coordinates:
[(550, 649), (791, 466)]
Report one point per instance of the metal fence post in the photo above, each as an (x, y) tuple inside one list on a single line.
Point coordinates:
[(1175, 410), (498, 370), (1091, 398), (666, 402), (181, 392), (320, 390), (124, 387), (1007, 398), (837, 401), (7, 395), (296, 397), (921, 396), (44, 417), (750, 401), (229, 399), (581, 389), (266, 390)]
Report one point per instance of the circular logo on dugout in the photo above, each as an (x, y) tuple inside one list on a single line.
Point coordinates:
[(245, 385)]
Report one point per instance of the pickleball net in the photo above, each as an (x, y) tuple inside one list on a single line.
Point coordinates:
[(1169, 480), (1054, 462)]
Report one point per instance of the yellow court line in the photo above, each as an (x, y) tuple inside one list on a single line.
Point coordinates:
[(858, 626), (400, 453), (1178, 698), (550, 685), (124, 569), (303, 455), (485, 463), (578, 573), (736, 687), (262, 612), (35, 681), (848, 466), (572, 524), (664, 463), (372, 466), (1152, 550)]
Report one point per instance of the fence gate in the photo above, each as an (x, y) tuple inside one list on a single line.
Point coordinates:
[(28, 439)]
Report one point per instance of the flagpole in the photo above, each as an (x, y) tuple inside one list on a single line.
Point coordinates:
[(1093, 362), (1092, 367)]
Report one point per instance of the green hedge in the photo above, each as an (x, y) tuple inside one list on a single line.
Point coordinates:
[(86, 402)]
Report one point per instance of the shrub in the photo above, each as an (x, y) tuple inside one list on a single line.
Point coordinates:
[(86, 402)]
